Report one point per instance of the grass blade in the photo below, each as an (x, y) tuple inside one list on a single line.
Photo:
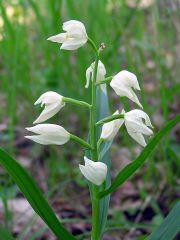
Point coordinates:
[(4, 234), (130, 169), (34, 196), (169, 227)]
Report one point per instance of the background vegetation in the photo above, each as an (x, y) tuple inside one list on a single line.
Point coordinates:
[(143, 39)]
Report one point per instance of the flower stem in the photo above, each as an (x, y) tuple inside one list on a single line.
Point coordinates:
[(105, 80), (94, 154), (76, 102), (80, 141), (110, 118), (92, 44)]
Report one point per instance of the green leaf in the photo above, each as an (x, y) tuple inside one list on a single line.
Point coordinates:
[(34, 196), (103, 111), (169, 227), (130, 169), (4, 234)]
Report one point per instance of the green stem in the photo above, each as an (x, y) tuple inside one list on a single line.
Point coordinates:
[(100, 141), (110, 118), (6, 212), (94, 155), (92, 44), (80, 141), (105, 80), (76, 102)]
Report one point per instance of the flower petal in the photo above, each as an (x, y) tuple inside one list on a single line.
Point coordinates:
[(48, 129), (138, 114), (138, 126), (95, 172), (110, 129), (138, 137), (59, 38), (48, 140), (48, 112)]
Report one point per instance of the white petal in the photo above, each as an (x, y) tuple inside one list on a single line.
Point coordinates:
[(72, 23), (137, 126), (72, 44), (101, 71), (48, 129), (53, 103), (87, 174), (129, 79), (59, 38), (95, 172), (123, 82), (138, 137), (74, 26), (120, 90), (138, 114), (96, 166), (89, 73), (49, 97), (110, 129), (48, 140), (135, 99), (48, 112)]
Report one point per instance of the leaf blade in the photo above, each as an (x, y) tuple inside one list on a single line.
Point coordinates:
[(34, 196), (169, 227), (103, 111)]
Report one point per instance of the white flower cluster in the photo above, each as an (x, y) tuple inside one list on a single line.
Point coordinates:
[(136, 121), (124, 83)]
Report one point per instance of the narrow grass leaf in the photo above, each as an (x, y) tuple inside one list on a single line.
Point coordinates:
[(34, 196), (5, 235), (169, 227), (130, 169)]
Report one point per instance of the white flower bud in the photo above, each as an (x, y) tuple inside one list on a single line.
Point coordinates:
[(53, 103), (110, 129), (136, 127), (95, 172), (75, 35), (123, 82), (49, 134), (101, 72)]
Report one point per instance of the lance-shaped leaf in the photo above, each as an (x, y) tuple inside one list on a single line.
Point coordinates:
[(130, 169), (103, 111), (169, 227), (34, 196)]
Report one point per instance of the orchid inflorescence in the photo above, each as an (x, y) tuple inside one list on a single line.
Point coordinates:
[(124, 83)]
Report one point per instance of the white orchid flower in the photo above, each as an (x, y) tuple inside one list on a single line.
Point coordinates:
[(49, 134), (95, 172), (110, 129), (75, 35), (136, 127), (101, 72), (123, 82), (53, 103)]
